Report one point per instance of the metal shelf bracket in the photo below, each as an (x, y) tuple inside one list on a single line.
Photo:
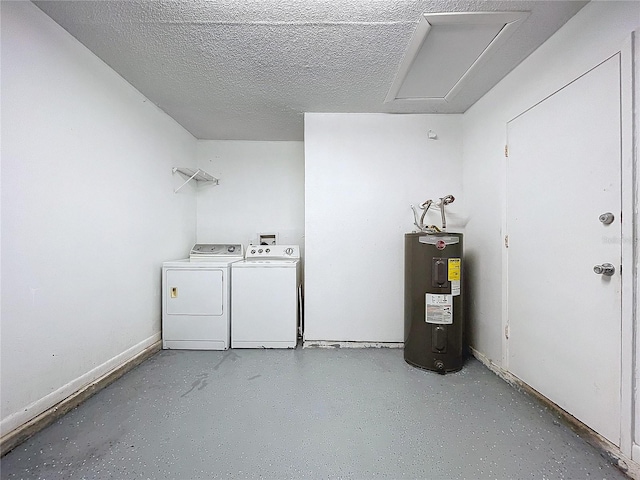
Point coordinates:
[(197, 175)]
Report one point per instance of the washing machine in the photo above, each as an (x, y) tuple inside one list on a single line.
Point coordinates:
[(264, 305), (196, 298)]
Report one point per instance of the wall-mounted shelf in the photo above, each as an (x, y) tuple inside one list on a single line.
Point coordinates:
[(194, 174)]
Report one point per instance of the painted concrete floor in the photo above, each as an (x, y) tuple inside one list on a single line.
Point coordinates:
[(305, 413)]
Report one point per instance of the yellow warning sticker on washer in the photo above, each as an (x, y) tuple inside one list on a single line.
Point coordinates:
[(454, 269)]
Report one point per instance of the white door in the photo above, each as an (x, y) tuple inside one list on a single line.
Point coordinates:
[(564, 320)]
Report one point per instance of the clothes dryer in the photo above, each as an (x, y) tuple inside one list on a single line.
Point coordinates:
[(196, 298)]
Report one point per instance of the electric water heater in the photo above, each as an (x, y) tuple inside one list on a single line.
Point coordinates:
[(433, 308)]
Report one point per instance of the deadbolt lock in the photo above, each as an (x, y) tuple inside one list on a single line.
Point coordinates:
[(606, 218), (605, 269)]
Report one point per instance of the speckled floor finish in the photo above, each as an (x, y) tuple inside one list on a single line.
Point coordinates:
[(305, 413)]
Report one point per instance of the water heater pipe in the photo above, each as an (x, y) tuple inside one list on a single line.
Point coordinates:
[(424, 206), (444, 201)]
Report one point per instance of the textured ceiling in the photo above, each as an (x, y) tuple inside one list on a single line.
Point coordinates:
[(248, 70)]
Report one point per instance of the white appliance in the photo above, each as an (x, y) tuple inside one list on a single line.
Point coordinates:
[(196, 298), (264, 305)]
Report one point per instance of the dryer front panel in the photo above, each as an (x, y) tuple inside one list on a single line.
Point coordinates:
[(194, 292)]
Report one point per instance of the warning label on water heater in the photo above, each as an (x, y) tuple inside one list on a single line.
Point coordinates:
[(454, 269), (454, 275), (439, 309)]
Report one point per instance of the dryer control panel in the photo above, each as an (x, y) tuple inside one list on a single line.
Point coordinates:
[(203, 251), (273, 252)]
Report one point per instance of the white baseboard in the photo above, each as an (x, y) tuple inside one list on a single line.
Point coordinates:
[(329, 344), (613, 452), (17, 419)]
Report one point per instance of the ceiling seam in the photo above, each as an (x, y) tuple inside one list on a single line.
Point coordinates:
[(284, 24)]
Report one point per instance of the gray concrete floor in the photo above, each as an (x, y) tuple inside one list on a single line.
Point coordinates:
[(305, 413)]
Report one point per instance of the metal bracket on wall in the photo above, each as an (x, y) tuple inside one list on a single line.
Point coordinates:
[(197, 175)]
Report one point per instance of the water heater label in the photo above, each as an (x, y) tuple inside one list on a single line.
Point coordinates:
[(454, 269), (439, 309), (454, 275)]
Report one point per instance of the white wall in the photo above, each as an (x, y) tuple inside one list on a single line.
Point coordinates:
[(597, 31), (363, 171), (88, 214), (261, 190)]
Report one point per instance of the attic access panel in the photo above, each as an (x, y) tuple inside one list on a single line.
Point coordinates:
[(445, 50)]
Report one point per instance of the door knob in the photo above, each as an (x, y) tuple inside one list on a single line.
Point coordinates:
[(605, 269)]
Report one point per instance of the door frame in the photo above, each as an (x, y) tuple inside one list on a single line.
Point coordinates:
[(630, 308)]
